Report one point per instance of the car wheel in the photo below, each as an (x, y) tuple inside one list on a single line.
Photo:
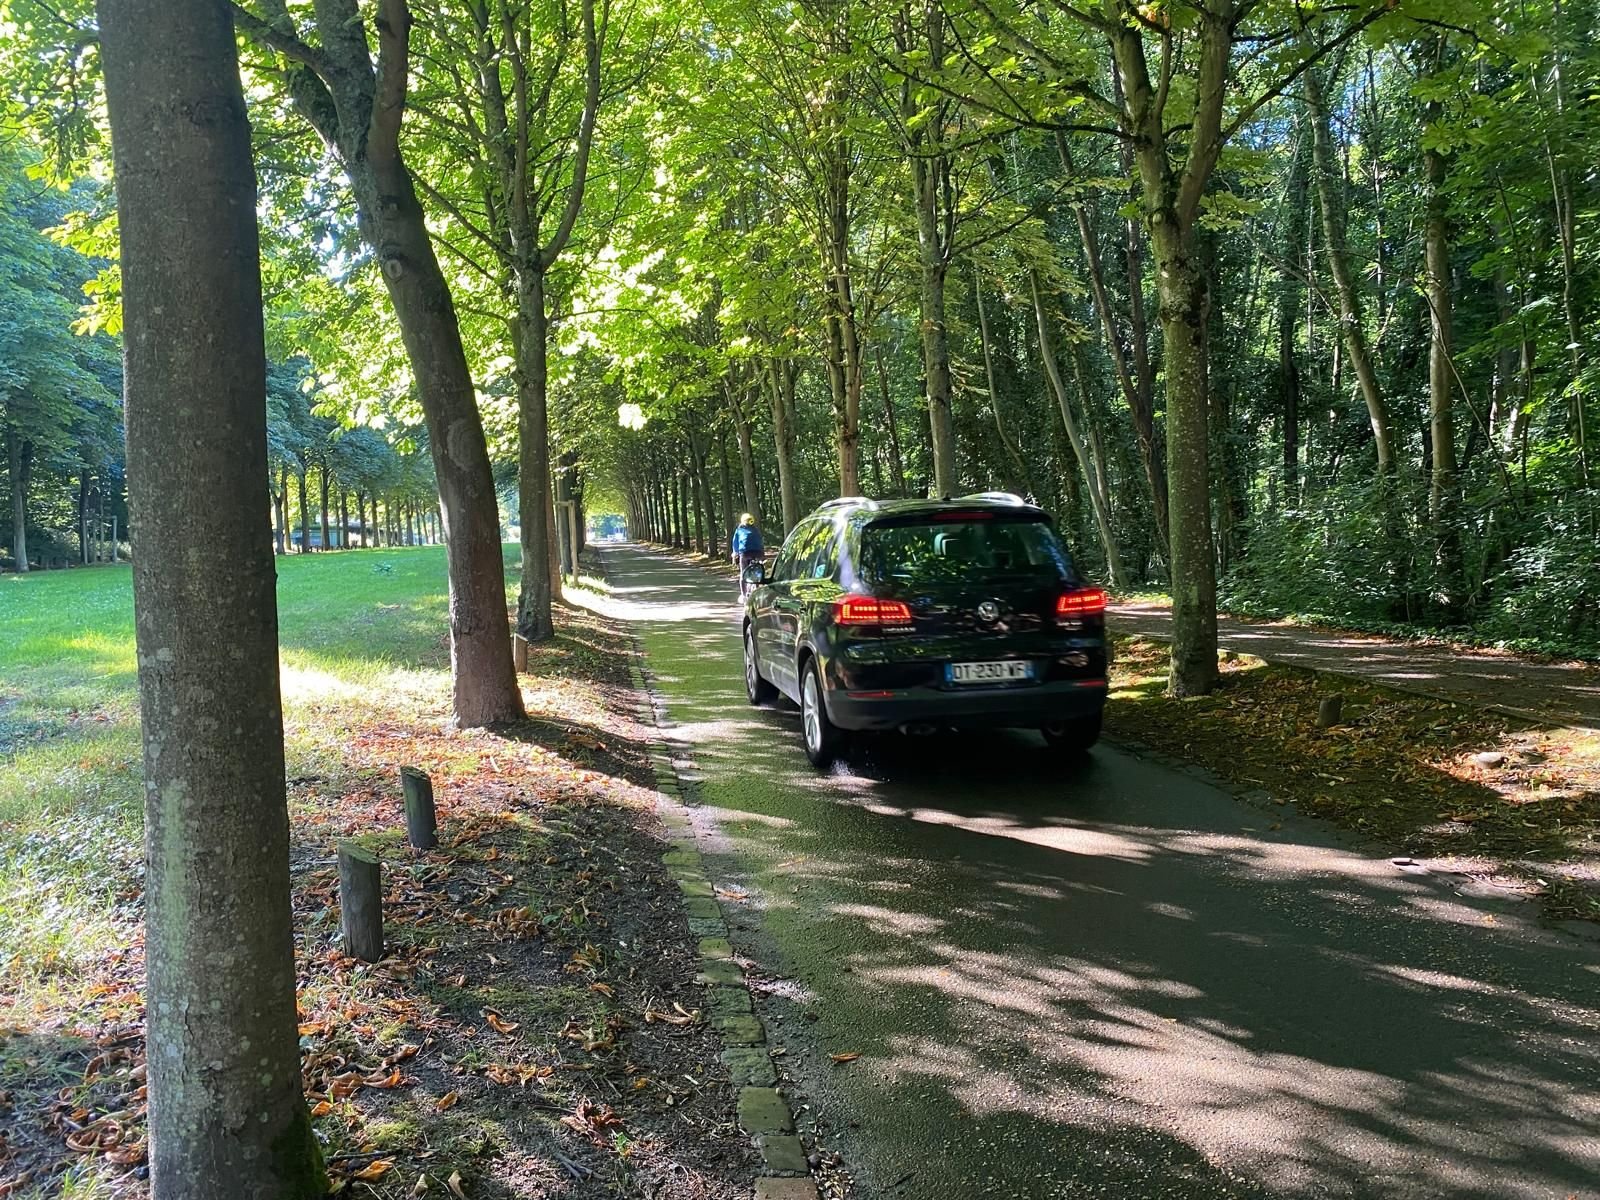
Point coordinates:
[(1072, 739), (824, 740), (755, 687)]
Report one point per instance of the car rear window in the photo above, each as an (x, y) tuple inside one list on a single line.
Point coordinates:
[(955, 550)]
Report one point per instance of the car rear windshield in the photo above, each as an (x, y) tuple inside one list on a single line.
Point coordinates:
[(956, 550)]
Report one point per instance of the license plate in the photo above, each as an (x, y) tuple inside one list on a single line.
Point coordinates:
[(1009, 671)]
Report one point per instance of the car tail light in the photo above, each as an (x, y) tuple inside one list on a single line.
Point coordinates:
[(869, 610), (1081, 602)]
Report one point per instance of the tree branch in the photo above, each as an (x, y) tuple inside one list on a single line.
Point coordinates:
[(394, 69), (580, 167)]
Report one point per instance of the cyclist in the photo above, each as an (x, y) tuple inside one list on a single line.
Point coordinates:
[(747, 550)]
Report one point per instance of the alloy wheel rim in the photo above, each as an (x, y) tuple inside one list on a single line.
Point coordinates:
[(812, 718), (749, 664)]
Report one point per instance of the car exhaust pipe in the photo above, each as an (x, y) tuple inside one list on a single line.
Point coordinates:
[(919, 729)]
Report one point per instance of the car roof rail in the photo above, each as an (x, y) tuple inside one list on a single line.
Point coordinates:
[(996, 497), (863, 501)]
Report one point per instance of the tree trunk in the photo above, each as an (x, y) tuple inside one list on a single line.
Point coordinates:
[(1351, 319), (747, 456), (1098, 499), (1138, 393), (780, 376), (227, 1114), (1296, 203), (935, 337), (985, 344), (701, 450), (536, 594), (344, 518), (1443, 511), (361, 518), (322, 479), (305, 514), (1183, 302), (839, 320), (727, 482), (357, 109), (280, 507), (20, 452), (897, 462)]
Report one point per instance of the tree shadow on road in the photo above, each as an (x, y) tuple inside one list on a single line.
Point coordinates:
[(1115, 980)]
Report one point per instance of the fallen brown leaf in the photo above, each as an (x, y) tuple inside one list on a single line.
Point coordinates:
[(376, 1169)]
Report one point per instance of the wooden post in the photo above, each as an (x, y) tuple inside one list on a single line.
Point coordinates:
[(361, 902), (421, 823), (519, 653), (1330, 710)]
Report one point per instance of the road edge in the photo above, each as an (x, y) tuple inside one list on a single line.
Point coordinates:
[(764, 1113)]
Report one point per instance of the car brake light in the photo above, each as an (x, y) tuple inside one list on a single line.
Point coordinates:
[(869, 610), (1083, 602)]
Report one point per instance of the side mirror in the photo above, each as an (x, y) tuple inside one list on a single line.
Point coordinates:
[(755, 574)]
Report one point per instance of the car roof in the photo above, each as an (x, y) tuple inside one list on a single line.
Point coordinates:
[(865, 510)]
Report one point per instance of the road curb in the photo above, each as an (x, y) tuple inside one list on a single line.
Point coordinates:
[(764, 1112)]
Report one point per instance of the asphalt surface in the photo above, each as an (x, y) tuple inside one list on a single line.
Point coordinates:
[(1564, 692), (1113, 980)]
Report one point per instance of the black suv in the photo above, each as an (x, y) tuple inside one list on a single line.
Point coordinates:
[(928, 614)]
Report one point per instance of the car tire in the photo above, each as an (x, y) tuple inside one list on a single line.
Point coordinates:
[(1072, 739), (755, 687), (824, 741)]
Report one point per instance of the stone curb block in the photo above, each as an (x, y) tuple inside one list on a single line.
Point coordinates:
[(785, 1189), (783, 1154), (763, 1112)]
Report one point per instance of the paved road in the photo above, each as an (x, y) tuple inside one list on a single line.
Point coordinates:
[(1566, 692), (1115, 981)]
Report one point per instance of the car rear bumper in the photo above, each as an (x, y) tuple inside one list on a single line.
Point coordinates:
[(998, 707)]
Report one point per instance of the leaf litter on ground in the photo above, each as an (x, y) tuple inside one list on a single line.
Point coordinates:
[(509, 1044), (1484, 792)]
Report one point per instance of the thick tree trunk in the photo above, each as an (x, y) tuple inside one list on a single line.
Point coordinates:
[(1183, 301), (357, 108), (226, 1110), (19, 451), (486, 690), (537, 592)]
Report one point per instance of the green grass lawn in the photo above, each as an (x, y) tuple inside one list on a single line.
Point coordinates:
[(360, 632)]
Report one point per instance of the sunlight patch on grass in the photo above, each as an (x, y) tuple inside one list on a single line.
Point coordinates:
[(363, 637)]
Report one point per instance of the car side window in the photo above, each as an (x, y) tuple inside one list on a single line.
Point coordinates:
[(783, 567), (813, 560)]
